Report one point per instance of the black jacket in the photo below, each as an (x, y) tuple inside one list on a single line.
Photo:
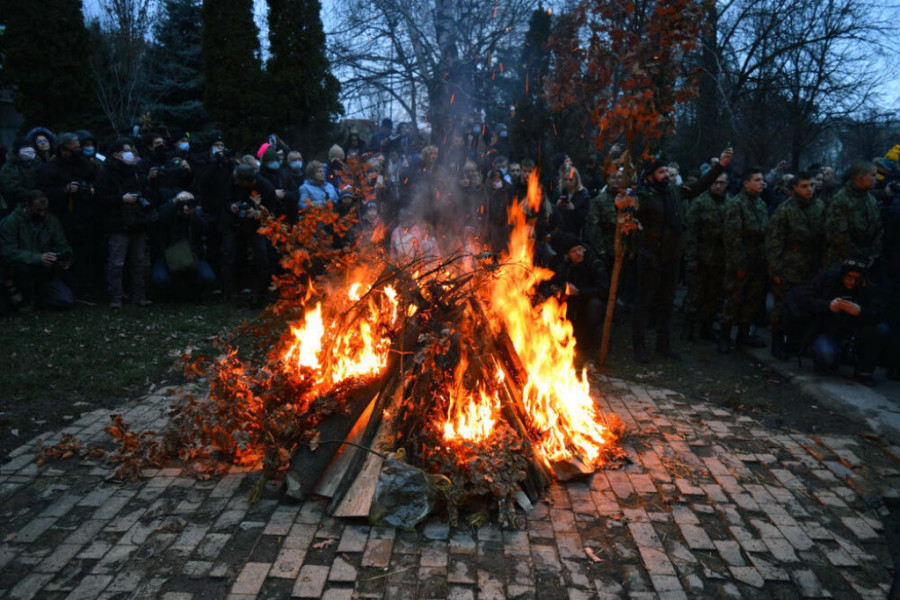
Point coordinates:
[(117, 180)]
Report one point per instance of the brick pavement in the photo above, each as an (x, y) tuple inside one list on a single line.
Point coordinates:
[(710, 504)]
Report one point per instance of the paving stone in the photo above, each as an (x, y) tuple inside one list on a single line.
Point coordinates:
[(644, 535), (489, 587), (354, 538), (378, 552), (860, 528), (656, 561), (342, 571), (730, 552), (683, 514), (281, 521), (34, 529), (696, 537), (59, 558), (29, 586), (797, 537), (688, 489), (664, 584), (434, 554), (620, 484), (809, 584), (781, 549), (462, 542), (461, 570), (310, 582), (90, 587), (251, 578)]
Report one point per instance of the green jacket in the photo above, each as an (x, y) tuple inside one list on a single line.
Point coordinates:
[(705, 222), (600, 232), (24, 241), (17, 178), (853, 226), (795, 239), (746, 219)]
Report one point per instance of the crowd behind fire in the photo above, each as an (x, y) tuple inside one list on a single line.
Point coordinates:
[(170, 217)]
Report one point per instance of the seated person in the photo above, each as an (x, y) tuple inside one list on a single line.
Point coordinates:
[(182, 226), (34, 253), (838, 317), (580, 280)]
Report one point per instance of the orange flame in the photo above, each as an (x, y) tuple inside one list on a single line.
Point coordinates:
[(557, 399), (359, 351), (470, 415)]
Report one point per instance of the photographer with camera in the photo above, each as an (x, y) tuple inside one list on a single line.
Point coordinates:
[(182, 226), (838, 316), (68, 180), (127, 214), (212, 185), (250, 195), (34, 255)]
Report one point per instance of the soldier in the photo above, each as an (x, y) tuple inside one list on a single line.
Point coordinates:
[(793, 248), (853, 225), (746, 219), (660, 245), (600, 232), (704, 255)]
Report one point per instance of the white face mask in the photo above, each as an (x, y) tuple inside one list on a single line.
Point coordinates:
[(26, 153), (128, 158)]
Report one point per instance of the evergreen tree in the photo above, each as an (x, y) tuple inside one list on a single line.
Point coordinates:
[(301, 93), (532, 121), (232, 65), (46, 48), (177, 80)]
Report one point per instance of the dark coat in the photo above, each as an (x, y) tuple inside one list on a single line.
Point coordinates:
[(117, 180)]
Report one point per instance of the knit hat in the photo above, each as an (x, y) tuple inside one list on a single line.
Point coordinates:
[(563, 241), (262, 150), (270, 154), (336, 153), (651, 165)]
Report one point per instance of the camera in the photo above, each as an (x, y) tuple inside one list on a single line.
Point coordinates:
[(143, 202), (243, 208), (188, 205), (84, 189)]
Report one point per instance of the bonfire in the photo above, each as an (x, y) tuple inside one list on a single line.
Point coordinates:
[(450, 364)]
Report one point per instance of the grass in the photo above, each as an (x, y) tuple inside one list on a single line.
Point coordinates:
[(57, 365)]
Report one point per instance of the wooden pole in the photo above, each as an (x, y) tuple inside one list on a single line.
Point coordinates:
[(613, 290)]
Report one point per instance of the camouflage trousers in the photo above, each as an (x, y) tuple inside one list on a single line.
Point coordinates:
[(706, 287), (778, 294), (744, 297)]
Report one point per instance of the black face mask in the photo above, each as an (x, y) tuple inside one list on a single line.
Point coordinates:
[(660, 186), (160, 152)]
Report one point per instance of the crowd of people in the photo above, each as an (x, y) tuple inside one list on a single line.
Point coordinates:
[(164, 216)]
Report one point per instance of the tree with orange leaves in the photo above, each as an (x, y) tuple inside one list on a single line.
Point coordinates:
[(624, 60)]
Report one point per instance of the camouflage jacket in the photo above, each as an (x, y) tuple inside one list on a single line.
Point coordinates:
[(746, 219), (795, 239), (600, 232), (705, 223), (853, 226)]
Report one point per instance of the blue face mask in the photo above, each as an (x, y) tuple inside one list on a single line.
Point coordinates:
[(184, 146), (88, 151), (274, 165), (297, 165)]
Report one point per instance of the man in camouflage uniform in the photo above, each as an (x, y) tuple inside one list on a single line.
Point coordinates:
[(660, 246), (793, 248), (705, 258), (853, 225), (746, 219), (600, 232)]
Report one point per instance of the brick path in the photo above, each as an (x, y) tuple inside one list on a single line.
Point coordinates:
[(711, 504)]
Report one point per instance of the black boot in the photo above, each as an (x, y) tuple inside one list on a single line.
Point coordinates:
[(687, 330), (779, 345), (724, 346), (745, 338)]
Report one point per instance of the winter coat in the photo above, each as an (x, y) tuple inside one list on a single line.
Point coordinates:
[(117, 180), (794, 240), (853, 227), (17, 178), (23, 241)]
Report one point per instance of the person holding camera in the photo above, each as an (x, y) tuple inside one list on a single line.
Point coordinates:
[(34, 254), (68, 180), (838, 317), (127, 214), (249, 197), (182, 226), (212, 185)]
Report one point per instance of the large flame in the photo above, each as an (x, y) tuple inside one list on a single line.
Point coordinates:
[(557, 399), (360, 350), (471, 414)]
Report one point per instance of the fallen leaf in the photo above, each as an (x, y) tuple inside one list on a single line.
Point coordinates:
[(323, 544), (591, 555)]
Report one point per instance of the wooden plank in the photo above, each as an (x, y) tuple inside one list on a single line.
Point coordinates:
[(335, 470)]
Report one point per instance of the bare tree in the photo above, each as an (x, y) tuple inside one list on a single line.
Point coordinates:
[(787, 70), (120, 56), (435, 59)]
